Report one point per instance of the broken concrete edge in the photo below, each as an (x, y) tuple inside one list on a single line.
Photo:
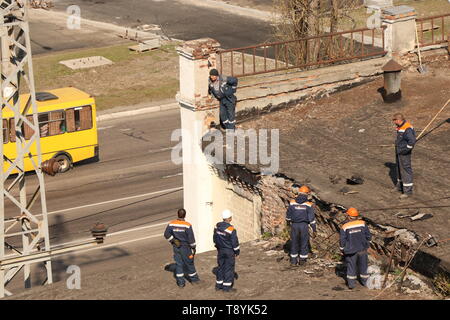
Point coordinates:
[(121, 114), (314, 93), (383, 235)]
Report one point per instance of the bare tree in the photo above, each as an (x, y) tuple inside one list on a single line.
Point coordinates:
[(299, 19)]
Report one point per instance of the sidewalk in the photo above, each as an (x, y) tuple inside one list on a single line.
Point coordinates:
[(142, 108)]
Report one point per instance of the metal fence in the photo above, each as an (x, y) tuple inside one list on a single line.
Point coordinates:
[(434, 30), (330, 48)]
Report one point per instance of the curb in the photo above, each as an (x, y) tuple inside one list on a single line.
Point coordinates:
[(243, 11), (135, 112)]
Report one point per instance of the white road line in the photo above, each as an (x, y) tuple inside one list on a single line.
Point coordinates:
[(137, 229), (162, 149), (172, 175), (109, 245), (115, 200), (104, 128), (112, 234)]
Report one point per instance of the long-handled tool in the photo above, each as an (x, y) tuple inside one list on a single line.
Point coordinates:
[(422, 68), (434, 118), (390, 263)]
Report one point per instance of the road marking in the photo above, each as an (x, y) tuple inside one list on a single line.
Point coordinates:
[(172, 175), (111, 234), (163, 149), (137, 229), (109, 245), (104, 128), (115, 200)]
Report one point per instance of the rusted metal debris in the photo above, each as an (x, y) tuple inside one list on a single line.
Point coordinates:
[(51, 167), (99, 231)]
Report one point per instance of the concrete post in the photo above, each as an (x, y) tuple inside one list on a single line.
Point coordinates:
[(197, 57), (400, 34)]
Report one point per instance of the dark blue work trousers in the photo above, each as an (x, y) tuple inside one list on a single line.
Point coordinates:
[(353, 261), (227, 113), (184, 264), (299, 241), (225, 270)]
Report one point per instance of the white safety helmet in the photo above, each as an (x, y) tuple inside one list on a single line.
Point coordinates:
[(226, 214)]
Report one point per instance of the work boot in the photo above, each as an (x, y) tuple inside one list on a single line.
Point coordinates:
[(302, 262), (181, 286), (405, 196), (397, 188)]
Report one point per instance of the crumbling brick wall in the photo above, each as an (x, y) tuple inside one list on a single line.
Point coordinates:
[(276, 194)]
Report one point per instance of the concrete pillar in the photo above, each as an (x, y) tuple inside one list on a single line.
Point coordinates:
[(197, 57), (400, 34)]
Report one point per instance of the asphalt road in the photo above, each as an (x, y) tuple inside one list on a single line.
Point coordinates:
[(133, 186), (178, 20)]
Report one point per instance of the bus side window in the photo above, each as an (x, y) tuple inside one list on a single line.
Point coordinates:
[(28, 132), (5, 131), (70, 120), (56, 123), (43, 124), (79, 118), (12, 130)]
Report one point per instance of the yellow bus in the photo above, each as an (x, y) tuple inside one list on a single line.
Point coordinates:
[(67, 126)]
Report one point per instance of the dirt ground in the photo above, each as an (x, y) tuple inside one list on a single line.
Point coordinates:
[(263, 273), (351, 132)]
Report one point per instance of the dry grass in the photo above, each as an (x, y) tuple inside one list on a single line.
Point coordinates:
[(133, 78)]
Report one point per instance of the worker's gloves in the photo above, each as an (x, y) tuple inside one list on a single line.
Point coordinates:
[(194, 250), (176, 243), (288, 223)]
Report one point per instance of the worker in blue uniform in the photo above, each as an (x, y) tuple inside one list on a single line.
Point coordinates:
[(226, 241), (180, 234), (300, 215), (224, 89), (404, 144), (354, 241)]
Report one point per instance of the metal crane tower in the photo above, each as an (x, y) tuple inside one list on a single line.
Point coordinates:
[(23, 215)]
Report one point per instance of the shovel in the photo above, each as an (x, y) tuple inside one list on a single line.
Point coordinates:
[(422, 69)]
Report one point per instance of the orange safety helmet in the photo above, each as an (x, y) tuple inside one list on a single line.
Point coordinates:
[(352, 212), (304, 189)]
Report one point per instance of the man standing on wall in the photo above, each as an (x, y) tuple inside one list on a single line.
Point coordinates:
[(223, 89)]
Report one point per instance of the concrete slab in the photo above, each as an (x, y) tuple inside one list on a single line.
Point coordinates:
[(88, 62)]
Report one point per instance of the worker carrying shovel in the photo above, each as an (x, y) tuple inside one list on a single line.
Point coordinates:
[(223, 89)]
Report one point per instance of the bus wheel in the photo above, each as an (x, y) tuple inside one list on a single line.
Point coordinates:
[(64, 162)]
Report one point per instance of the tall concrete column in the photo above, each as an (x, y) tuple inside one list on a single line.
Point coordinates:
[(197, 109), (400, 34)]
